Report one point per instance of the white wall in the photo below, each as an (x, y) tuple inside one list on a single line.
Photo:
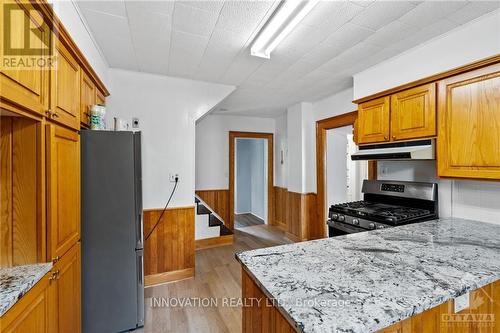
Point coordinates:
[(67, 11), (474, 41), (468, 43), (212, 146), (336, 164), (251, 177), (167, 109), (243, 176), (280, 151)]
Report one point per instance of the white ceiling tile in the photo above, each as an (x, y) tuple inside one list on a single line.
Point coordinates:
[(431, 11), (186, 51), (112, 33), (381, 13), (116, 8), (243, 16), (331, 15), (141, 11), (473, 10), (211, 5), (193, 21), (391, 33), (347, 36), (300, 41), (241, 68)]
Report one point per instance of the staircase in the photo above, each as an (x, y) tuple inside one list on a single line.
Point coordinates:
[(208, 224)]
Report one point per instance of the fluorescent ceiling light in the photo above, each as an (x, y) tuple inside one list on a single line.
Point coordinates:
[(288, 14)]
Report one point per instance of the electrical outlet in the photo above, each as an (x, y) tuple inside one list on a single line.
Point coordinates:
[(135, 122), (172, 177), (461, 302)]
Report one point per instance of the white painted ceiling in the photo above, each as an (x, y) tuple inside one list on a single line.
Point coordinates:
[(210, 41)]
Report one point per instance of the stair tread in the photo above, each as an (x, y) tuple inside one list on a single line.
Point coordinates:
[(213, 221), (224, 231), (202, 210)]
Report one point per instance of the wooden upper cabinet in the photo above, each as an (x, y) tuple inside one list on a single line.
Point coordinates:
[(65, 89), (27, 88), (64, 293), (63, 189), (100, 98), (469, 124), (373, 121), (87, 97), (413, 113)]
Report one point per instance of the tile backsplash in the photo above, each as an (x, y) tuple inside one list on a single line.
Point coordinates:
[(478, 200)]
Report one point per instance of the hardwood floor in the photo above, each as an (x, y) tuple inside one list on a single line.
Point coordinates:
[(217, 280), (246, 220)]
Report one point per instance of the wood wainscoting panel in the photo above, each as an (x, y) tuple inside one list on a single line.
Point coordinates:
[(280, 205), (218, 200), (301, 219), (170, 247)]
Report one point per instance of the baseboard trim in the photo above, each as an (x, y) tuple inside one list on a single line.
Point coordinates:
[(207, 243), (167, 277)]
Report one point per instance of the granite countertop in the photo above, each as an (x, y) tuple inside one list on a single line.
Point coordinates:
[(367, 281), (16, 281)]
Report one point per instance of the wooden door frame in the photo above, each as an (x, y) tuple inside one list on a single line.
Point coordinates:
[(233, 135), (322, 126)]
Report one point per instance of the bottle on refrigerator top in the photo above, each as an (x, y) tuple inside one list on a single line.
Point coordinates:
[(97, 113)]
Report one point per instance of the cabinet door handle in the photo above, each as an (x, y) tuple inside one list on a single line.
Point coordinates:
[(49, 113), (394, 137), (386, 138), (55, 259), (55, 115), (54, 276)]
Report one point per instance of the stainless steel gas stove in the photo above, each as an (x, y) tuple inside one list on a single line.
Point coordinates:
[(385, 204)]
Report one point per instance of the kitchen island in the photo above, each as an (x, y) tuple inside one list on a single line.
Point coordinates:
[(365, 282)]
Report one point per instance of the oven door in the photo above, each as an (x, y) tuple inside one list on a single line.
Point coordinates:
[(336, 228)]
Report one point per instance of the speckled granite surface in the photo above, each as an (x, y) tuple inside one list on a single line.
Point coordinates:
[(16, 281), (367, 281)]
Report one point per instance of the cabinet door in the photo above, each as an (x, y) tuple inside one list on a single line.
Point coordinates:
[(373, 121), (99, 97), (65, 293), (413, 113), (19, 84), (63, 190), (469, 124), (87, 97), (65, 89), (30, 313)]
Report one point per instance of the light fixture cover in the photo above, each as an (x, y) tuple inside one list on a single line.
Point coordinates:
[(288, 14)]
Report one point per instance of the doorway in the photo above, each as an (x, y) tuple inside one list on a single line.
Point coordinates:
[(250, 190), (250, 179), (344, 177)]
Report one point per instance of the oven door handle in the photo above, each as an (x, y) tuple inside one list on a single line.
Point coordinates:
[(345, 227)]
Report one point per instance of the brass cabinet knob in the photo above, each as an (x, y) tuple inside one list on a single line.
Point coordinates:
[(386, 138), (55, 259), (55, 115), (55, 275), (49, 113), (394, 137)]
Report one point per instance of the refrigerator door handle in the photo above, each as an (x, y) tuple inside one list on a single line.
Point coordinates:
[(140, 238), (140, 288)]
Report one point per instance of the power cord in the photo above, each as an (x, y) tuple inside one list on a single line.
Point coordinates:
[(164, 209)]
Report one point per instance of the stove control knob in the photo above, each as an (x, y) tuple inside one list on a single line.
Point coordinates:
[(380, 227), (355, 221), (341, 217), (335, 216), (371, 226)]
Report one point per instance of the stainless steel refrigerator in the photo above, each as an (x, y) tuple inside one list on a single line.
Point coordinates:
[(112, 231)]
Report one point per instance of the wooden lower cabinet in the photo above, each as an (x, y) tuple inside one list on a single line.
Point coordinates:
[(64, 293), (482, 315), (30, 313)]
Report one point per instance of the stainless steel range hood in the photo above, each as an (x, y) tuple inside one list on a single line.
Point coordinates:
[(406, 150)]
